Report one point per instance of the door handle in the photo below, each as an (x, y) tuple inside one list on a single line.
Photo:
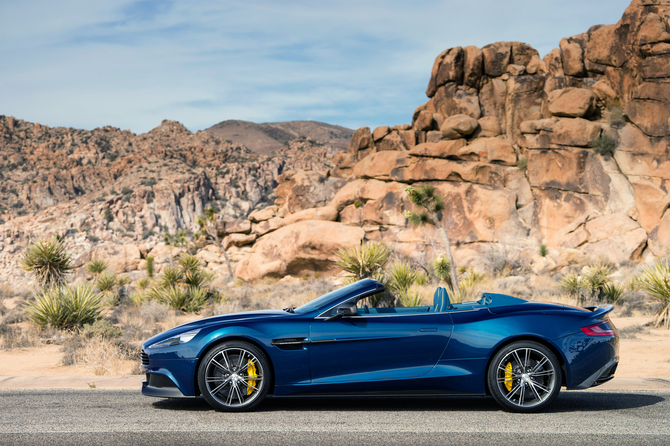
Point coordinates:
[(427, 329)]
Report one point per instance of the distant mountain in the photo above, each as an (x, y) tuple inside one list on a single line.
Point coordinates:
[(270, 136)]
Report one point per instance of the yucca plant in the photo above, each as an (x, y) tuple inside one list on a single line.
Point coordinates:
[(366, 260), (432, 205), (186, 299), (442, 269), (188, 263), (596, 277), (150, 266), (543, 250), (573, 285), (137, 297), (410, 297), (612, 292), (467, 287), (48, 262), (122, 280), (655, 281), (143, 283), (170, 277), (422, 278), (67, 307), (106, 282), (402, 276), (96, 267)]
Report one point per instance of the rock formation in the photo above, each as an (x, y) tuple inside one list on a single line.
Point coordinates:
[(570, 150)]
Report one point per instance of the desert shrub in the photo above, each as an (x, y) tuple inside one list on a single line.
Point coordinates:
[(170, 277), (655, 281), (410, 297), (16, 337), (122, 280), (101, 328), (422, 278), (543, 250), (14, 316), (604, 145), (184, 287), (150, 266), (96, 267), (596, 277), (401, 277), (612, 293), (48, 262), (442, 268), (186, 299), (572, 284), (108, 215), (367, 260), (104, 356), (358, 203), (69, 307), (143, 283), (106, 282), (522, 163), (153, 311)]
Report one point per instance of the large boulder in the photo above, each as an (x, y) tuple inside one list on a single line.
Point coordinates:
[(572, 57), (496, 58), (119, 258), (572, 102), (458, 126), (556, 133), (303, 189), (297, 249), (453, 99), (440, 149), (473, 66), (451, 68), (380, 164)]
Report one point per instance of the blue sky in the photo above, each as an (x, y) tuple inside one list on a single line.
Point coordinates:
[(131, 64)]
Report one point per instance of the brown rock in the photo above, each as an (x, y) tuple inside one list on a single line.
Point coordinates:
[(643, 164), (536, 65), (303, 247), (604, 91), (432, 84), (570, 169), (554, 62), (424, 121), (453, 100), (263, 214), (496, 58), (652, 30), (390, 142), (266, 226), (572, 102), (435, 169), (380, 132), (493, 100), (572, 57), (522, 53), (617, 235), (473, 66), (489, 127), (408, 138), (303, 189), (651, 201), (451, 68), (327, 213), (434, 136), (491, 150), (364, 190), (442, 149), (632, 139), (457, 126), (237, 240), (242, 226), (649, 108), (525, 100), (516, 70), (559, 208), (380, 165), (659, 237), (360, 140), (656, 67), (557, 132), (608, 45)]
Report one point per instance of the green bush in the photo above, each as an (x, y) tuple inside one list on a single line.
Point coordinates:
[(48, 262), (69, 307), (96, 267), (367, 260), (106, 282), (186, 299), (442, 268), (401, 277), (655, 281), (150, 266), (604, 145), (101, 328), (410, 298), (522, 163), (543, 251)]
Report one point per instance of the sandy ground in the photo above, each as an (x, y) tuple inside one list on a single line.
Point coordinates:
[(645, 356)]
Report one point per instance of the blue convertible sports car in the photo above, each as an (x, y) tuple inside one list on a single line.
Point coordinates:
[(519, 352)]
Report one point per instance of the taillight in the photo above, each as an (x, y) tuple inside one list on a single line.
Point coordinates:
[(600, 329)]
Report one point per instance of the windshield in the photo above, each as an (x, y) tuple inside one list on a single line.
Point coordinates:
[(325, 299)]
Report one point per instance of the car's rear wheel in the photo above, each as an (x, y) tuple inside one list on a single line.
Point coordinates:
[(524, 376), (234, 376)]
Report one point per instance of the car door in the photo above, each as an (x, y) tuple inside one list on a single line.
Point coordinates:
[(376, 346)]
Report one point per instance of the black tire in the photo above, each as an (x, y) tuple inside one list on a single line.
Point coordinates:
[(524, 376), (234, 376)]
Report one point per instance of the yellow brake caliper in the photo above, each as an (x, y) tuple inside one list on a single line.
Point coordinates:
[(508, 376), (252, 373)]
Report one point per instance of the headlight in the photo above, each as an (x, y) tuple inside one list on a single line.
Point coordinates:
[(176, 339)]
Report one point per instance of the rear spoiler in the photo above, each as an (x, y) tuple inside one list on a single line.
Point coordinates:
[(599, 311)]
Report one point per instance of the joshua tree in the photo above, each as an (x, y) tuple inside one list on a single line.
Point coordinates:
[(48, 262), (208, 230), (432, 205)]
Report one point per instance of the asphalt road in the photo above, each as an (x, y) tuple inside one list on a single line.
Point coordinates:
[(106, 417)]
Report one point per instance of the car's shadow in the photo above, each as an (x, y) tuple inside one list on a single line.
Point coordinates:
[(566, 402)]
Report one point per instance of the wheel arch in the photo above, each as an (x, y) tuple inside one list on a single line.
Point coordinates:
[(555, 350), (220, 341)]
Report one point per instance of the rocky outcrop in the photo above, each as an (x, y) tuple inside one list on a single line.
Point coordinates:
[(570, 150)]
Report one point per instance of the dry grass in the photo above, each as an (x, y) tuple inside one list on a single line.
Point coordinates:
[(104, 357)]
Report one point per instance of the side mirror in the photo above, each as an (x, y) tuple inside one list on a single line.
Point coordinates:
[(346, 309)]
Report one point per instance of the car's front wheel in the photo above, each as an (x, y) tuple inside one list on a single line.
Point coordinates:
[(234, 376), (524, 376)]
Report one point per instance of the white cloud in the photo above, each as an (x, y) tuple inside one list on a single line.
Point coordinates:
[(131, 64)]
